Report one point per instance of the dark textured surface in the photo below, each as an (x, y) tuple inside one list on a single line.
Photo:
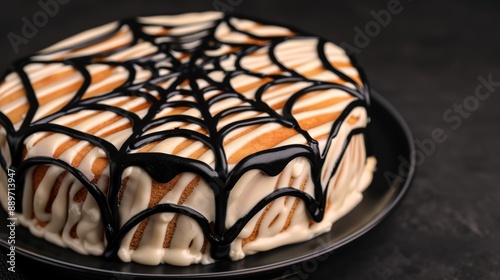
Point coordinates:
[(425, 61)]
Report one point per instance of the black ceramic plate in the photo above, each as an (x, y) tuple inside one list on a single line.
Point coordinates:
[(392, 145)]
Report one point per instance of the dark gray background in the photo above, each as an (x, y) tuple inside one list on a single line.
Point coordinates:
[(426, 60)]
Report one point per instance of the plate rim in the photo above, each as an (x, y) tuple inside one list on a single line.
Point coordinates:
[(252, 271)]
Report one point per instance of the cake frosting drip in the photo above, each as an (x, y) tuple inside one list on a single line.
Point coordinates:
[(186, 138)]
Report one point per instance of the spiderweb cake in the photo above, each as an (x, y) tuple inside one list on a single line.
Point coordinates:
[(184, 139)]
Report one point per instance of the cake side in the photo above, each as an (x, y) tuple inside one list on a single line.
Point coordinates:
[(180, 139)]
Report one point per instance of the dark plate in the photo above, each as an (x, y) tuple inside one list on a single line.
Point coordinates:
[(394, 149)]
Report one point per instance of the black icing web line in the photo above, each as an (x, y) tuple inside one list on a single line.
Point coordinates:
[(164, 167)]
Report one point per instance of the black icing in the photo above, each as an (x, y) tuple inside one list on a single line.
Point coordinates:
[(164, 167)]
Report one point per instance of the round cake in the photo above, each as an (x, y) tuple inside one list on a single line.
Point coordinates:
[(183, 139)]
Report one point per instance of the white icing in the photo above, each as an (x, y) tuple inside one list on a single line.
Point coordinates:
[(82, 37), (272, 227)]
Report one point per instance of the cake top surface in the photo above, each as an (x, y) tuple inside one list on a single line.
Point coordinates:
[(206, 77)]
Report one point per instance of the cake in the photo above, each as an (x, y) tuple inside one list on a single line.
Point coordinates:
[(184, 139)]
